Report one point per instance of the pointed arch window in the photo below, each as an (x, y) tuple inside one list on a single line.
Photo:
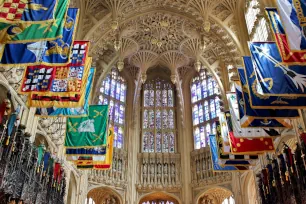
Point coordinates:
[(113, 93), (158, 117), (205, 107)]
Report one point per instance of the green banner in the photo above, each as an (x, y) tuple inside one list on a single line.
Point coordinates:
[(89, 131), (31, 32)]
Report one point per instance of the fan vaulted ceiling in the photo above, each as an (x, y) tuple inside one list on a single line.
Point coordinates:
[(171, 33)]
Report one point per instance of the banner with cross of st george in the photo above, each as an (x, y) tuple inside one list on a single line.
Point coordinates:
[(89, 131)]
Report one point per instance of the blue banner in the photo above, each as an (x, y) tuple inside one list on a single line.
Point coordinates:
[(275, 78), (56, 52), (27, 11), (11, 123), (259, 101), (85, 152), (215, 160), (289, 56), (293, 18), (238, 130), (250, 117), (71, 112), (300, 6), (46, 160)]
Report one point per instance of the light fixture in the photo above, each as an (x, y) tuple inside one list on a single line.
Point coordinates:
[(159, 44), (203, 45), (114, 25), (173, 78), (164, 24), (143, 78), (117, 45), (206, 26), (120, 65), (198, 65)]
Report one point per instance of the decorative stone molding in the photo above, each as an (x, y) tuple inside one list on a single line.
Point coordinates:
[(159, 171), (201, 170), (116, 176)]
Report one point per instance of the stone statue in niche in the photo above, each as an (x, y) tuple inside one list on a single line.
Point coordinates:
[(152, 172), (144, 173), (173, 173), (159, 172), (165, 173), (119, 165)]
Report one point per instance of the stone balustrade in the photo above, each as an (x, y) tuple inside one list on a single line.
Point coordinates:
[(201, 168), (159, 171)]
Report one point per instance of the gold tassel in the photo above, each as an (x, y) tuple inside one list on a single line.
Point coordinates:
[(7, 141), (273, 183), (292, 170), (12, 202), (287, 175), (37, 169)]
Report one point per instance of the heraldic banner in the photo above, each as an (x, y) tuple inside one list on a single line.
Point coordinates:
[(99, 162), (27, 11), (288, 55), (229, 159), (89, 131), (259, 101), (245, 108), (71, 112), (55, 52), (29, 32), (215, 161)]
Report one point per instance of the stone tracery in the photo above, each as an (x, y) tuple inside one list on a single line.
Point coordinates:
[(136, 35)]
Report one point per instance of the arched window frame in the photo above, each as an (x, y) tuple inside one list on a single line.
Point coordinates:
[(113, 93), (208, 104), (158, 117), (257, 26)]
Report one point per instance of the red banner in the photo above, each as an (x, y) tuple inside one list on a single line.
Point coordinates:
[(250, 146)]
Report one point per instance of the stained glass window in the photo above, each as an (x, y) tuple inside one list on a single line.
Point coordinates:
[(158, 123), (205, 101), (113, 93)]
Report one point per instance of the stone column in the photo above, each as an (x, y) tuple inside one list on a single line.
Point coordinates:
[(186, 143), (31, 123), (132, 143)]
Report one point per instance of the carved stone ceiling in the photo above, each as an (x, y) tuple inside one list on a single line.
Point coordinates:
[(158, 27), (218, 194)]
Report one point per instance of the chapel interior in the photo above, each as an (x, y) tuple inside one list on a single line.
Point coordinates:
[(164, 68)]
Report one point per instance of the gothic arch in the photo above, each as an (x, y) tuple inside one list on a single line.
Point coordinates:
[(72, 191), (159, 195), (101, 193), (216, 193), (251, 188), (223, 94), (290, 140)]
